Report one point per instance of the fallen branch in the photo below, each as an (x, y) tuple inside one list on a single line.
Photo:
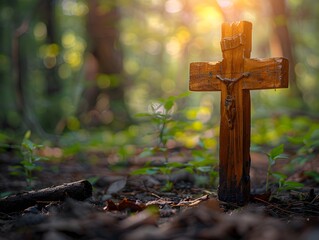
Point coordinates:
[(79, 190)]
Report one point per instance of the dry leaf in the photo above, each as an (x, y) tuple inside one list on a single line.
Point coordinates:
[(117, 186)]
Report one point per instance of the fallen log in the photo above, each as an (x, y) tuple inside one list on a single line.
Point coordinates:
[(79, 190)]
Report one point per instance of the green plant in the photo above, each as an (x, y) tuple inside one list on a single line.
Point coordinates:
[(283, 184), (313, 175), (204, 166), (309, 148), (203, 162), (275, 154), (28, 164), (161, 115)]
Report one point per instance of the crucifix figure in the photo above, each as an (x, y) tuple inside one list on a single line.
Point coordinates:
[(234, 76)]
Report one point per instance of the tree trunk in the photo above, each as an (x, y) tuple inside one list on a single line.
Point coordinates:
[(48, 17), (282, 39), (104, 102)]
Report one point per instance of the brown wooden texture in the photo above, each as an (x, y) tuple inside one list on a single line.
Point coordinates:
[(234, 76), (79, 190)]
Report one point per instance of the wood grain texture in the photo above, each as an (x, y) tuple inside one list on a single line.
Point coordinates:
[(79, 190), (234, 76)]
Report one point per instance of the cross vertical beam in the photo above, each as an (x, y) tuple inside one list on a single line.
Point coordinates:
[(234, 76)]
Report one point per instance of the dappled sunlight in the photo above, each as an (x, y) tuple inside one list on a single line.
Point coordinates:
[(74, 8), (173, 6), (157, 41), (40, 31), (104, 91), (49, 54)]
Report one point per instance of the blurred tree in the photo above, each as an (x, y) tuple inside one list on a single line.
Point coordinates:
[(47, 17), (104, 102), (16, 52), (66, 64), (282, 44)]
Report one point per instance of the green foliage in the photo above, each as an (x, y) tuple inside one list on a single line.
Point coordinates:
[(283, 185), (275, 154), (314, 175), (29, 163), (204, 164), (161, 115), (309, 145)]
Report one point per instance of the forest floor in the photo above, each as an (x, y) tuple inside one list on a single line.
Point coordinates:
[(134, 207)]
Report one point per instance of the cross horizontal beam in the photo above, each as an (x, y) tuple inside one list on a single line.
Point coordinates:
[(268, 73)]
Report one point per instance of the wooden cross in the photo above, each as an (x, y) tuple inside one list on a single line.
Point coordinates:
[(234, 76)]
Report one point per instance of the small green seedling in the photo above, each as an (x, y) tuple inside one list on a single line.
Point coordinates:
[(275, 154), (310, 146), (203, 163), (283, 184), (30, 158), (160, 114)]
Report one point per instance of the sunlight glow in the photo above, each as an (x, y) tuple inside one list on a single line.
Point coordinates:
[(73, 58), (207, 16), (74, 8), (68, 39), (64, 71), (131, 66), (173, 46), (152, 46), (173, 6), (225, 3), (168, 85), (40, 31)]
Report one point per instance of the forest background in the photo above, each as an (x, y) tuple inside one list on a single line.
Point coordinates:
[(78, 73)]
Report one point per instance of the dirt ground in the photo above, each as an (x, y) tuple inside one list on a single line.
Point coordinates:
[(135, 207)]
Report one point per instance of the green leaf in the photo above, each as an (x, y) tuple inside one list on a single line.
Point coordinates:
[(27, 135), (291, 185), (165, 170), (145, 154), (16, 170), (36, 159), (175, 164), (93, 180), (26, 163), (169, 104), (145, 171), (315, 135), (281, 156), (204, 169), (275, 152), (279, 176), (301, 160), (5, 194), (168, 186), (27, 144), (189, 169), (143, 115), (313, 174), (201, 163)]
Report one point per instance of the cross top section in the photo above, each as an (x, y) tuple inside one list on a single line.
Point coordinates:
[(237, 34)]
